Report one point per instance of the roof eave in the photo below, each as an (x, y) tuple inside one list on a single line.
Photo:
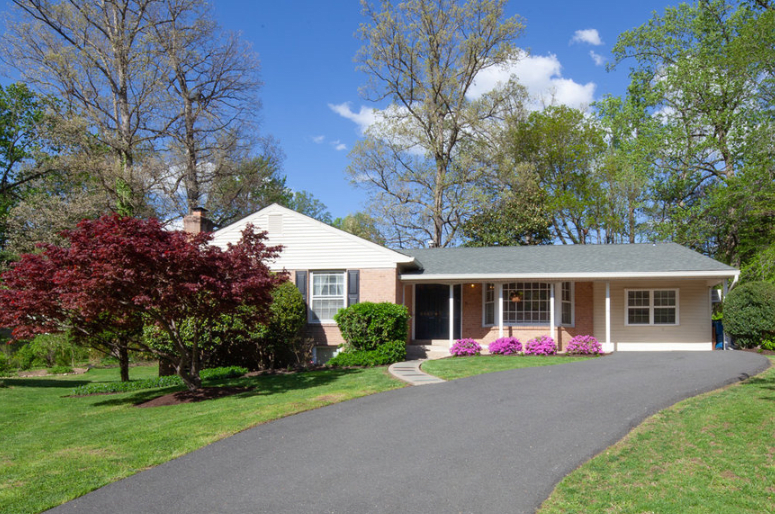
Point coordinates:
[(495, 277)]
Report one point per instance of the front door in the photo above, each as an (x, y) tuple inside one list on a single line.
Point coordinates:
[(431, 311)]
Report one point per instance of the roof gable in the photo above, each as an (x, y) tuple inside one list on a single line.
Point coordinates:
[(311, 244)]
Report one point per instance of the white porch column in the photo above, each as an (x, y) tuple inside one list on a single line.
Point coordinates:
[(500, 310), (609, 347), (553, 322), (727, 341), (451, 314)]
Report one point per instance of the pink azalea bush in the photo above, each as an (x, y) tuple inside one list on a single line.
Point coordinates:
[(505, 346), (465, 348), (584, 345), (543, 345)]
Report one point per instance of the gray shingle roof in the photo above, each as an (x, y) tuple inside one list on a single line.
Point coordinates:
[(565, 260)]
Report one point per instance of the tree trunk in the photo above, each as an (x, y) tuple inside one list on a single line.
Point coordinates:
[(123, 362)]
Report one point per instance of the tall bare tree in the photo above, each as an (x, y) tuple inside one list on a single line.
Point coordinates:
[(99, 58), (424, 57), (213, 81)]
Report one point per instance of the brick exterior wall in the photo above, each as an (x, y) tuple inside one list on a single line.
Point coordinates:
[(376, 285), (473, 316)]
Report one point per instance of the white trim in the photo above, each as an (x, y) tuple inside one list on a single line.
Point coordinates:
[(452, 312), (651, 307), (499, 285), (663, 347), (579, 277), (608, 346), (311, 295), (552, 313)]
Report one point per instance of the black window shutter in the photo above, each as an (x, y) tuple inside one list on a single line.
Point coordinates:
[(301, 284), (353, 286)]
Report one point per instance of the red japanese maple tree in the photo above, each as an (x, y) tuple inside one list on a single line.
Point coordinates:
[(126, 271)]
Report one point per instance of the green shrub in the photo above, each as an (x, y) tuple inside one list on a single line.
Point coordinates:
[(222, 373), (123, 387), (25, 358), (769, 343), (155, 383), (5, 364), (59, 370), (385, 354), (749, 313), (367, 325)]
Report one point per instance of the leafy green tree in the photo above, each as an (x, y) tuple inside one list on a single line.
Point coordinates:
[(362, 225), (562, 147), (306, 203), (705, 72)]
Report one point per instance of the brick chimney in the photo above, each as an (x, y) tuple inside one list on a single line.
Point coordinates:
[(197, 221)]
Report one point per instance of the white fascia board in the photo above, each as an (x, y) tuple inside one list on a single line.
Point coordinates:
[(491, 277), (398, 257)]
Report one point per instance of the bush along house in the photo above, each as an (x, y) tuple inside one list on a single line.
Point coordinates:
[(631, 297)]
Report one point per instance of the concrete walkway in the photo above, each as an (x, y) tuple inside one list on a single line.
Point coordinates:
[(491, 443), (411, 373)]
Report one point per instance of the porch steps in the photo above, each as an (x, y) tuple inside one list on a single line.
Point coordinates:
[(427, 351)]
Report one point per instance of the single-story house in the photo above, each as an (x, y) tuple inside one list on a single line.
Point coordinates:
[(630, 296)]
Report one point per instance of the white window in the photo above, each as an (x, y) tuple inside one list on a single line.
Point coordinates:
[(526, 303), (651, 307), (489, 304), (566, 304), (328, 295)]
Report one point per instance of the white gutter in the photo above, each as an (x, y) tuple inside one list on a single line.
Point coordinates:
[(466, 277)]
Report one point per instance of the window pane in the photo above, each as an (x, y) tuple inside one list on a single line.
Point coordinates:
[(664, 316), (567, 313), (664, 298), (638, 298), (489, 314), (325, 308), (526, 302), (638, 316)]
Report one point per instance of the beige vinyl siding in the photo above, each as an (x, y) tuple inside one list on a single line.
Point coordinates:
[(692, 332), (311, 244)]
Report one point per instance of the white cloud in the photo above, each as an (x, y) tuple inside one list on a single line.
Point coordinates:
[(365, 117), (338, 145), (599, 59), (542, 77), (318, 139), (589, 36)]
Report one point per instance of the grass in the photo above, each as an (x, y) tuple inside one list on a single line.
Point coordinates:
[(56, 448), (461, 367), (711, 453)]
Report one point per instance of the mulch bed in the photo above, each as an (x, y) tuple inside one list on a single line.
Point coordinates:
[(200, 395), (756, 350)]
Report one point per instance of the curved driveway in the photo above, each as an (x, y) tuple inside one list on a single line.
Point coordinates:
[(487, 444)]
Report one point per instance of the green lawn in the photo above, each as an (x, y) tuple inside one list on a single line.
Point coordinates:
[(460, 367), (714, 453), (56, 448)]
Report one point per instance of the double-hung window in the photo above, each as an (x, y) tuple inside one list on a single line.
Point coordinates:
[(651, 307), (328, 295), (489, 304), (566, 304)]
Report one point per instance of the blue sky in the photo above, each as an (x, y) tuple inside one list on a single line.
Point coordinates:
[(311, 100)]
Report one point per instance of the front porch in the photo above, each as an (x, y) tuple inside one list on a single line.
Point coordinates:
[(485, 311)]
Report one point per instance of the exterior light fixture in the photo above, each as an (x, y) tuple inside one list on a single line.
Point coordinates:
[(515, 296)]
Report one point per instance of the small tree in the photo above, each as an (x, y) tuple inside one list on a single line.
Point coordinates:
[(749, 313), (122, 270)]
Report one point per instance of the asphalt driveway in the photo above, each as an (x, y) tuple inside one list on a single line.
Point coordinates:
[(488, 444)]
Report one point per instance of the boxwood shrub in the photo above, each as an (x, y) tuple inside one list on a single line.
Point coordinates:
[(367, 325), (386, 353), (749, 313)]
